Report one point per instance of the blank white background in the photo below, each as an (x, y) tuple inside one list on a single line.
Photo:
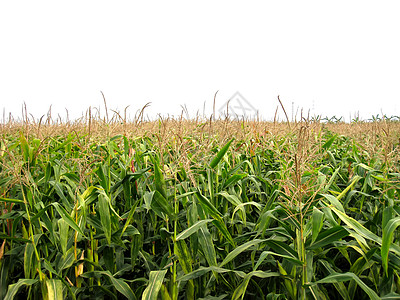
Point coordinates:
[(330, 57)]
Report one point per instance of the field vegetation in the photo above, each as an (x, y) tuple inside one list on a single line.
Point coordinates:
[(199, 209)]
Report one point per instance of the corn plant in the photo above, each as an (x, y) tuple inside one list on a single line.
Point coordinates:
[(215, 209)]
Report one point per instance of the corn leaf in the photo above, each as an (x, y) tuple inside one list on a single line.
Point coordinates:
[(192, 229), (240, 291), (235, 252), (220, 154), (282, 248), (218, 222), (387, 240), (161, 206), (340, 277), (204, 270), (14, 288), (317, 222), (156, 279), (105, 217), (67, 218), (54, 289), (159, 180), (8, 200), (328, 236), (207, 245)]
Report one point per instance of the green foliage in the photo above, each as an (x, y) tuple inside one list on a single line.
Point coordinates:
[(310, 214)]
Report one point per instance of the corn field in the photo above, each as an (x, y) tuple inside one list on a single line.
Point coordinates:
[(199, 209)]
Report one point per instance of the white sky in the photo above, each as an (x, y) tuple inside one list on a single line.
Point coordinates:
[(332, 57)]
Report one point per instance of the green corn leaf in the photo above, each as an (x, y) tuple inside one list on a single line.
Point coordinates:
[(340, 286), (209, 297), (264, 255), (130, 177), (48, 173), (40, 214), (14, 288), (364, 166), (58, 187), (331, 180), (237, 203), (282, 248), (204, 270), (331, 157), (220, 154), (63, 229), (329, 142), (185, 261), (4, 274), (387, 239), (340, 277), (105, 217), (159, 179), (2, 148), (67, 218), (317, 222), (207, 245), (183, 254), (104, 180), (129, 218), (25, 149), (109, 258), (391, 296), (241, 207), (28, 260), (364, 261), (329, 236), (334, 201), (119, 284), (102, 192), (235, 252), (54, 289), (257, 205), (240, 291), (354, 180), (161, 206), (66, 260), (356, 226), (8, 200), (135, 247), (290, 287), (387, 215), (192, 229), (207, 206), (233, 179), (126, 146), (9, 238), (218, 222), (48, 266), (156, 279), (231, 198), (164, 293)]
